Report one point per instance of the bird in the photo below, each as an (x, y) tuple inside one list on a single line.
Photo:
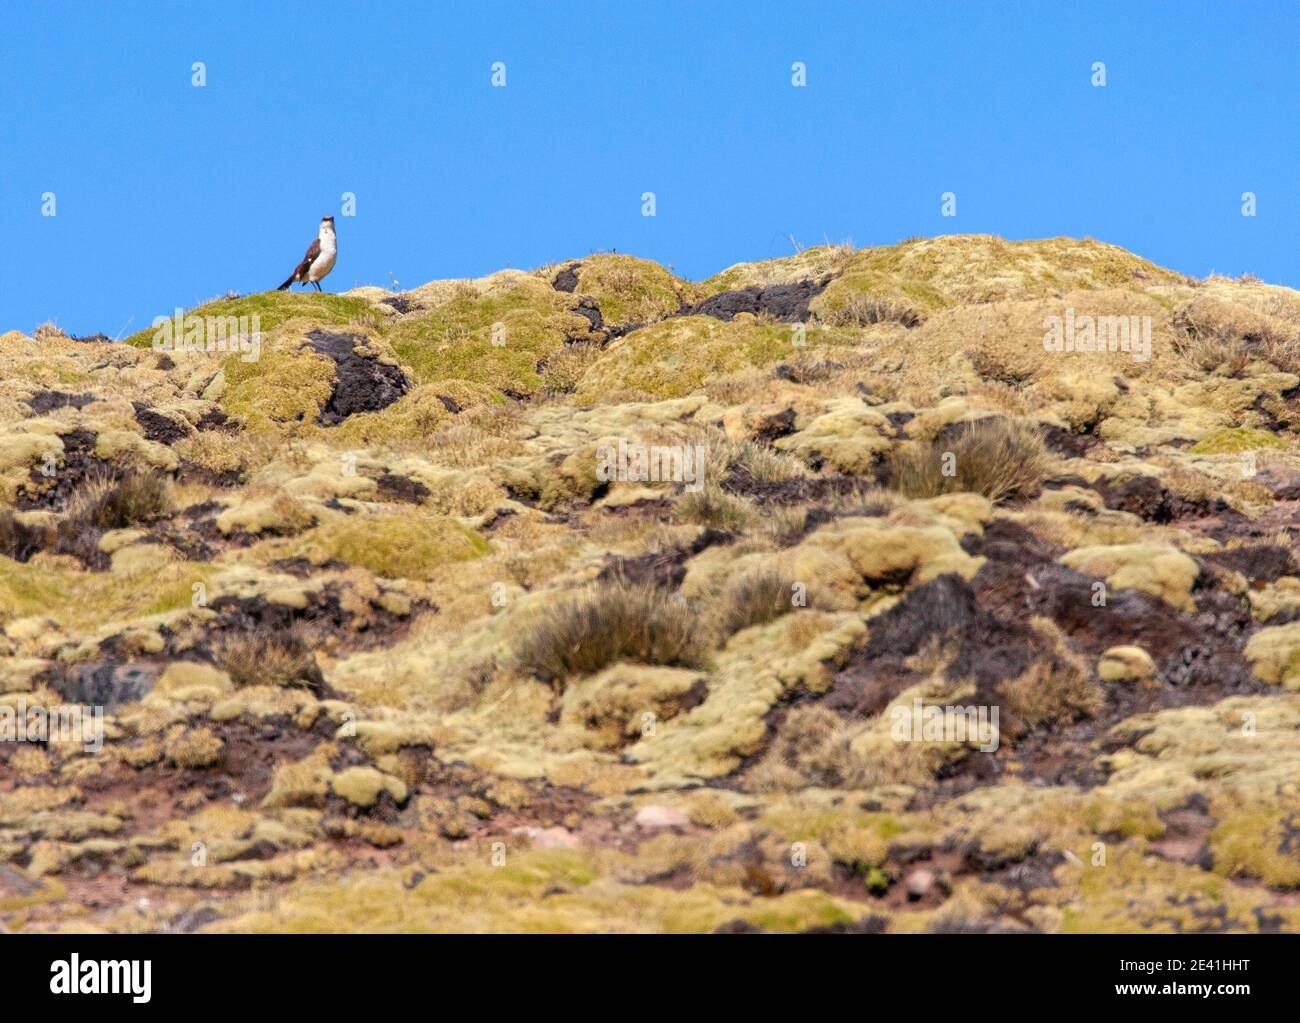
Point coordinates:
[(319, 260)]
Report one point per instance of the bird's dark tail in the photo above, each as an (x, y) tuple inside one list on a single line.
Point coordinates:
[(292, 277)]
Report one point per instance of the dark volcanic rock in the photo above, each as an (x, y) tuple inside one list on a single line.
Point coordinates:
[(567, 279), (588, 309), (364, 384), (785, 302), (1260, 562), (1022, 579), (401, 488), (43, 402), (157, 426), (1146, 498), (988, 650), (79, 462), (106, 685), (1068, 443)]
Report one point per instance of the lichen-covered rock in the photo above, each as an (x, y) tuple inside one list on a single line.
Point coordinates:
[(627, 701), (849, 436), (363, 786), (1158, 569), (1274, 655)]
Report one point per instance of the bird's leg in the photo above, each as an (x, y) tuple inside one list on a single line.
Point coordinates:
[(317, 283)]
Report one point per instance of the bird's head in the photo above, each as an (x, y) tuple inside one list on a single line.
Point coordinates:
[(327, 222)]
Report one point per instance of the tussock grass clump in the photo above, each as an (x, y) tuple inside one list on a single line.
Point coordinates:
[(614, 621), (1055, 690), (998, 457), (1210, 352), (995, 366), (786, 525), (215, 454), (811, 747), (565, 367), (49, 331), (1050, 693), (102, 501), (280, 657), (1223, 337), (713, 506), (999, 396), (1284, 353), (862, 498), (754, 598), (766, 465), (106, 502), (750, 459), (135, 498), (476, 436), (866, 310)]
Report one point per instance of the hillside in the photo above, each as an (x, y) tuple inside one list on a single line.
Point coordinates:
[(382, 646)]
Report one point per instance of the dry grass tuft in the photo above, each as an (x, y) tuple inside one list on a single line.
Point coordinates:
[(610, 622), (998, 396), (1056, 690), (713, 506), (1050, 693), (565, 368), (811, 747), (106, 502), (998, 457), (866, 310), (754, 598), (1221, 337), (49, 332), (786, 525), (280, 657), (724, 456), (864, 498), (477, 436), (102, 502)]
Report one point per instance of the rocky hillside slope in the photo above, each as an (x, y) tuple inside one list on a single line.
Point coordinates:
[(384, 645)]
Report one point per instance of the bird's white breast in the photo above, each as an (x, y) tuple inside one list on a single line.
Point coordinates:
[(323, 263)]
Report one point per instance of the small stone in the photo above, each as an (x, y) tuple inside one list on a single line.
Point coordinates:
[(918, 883), (556, 838), (651, 817), (1282, 480), (1126, 664)]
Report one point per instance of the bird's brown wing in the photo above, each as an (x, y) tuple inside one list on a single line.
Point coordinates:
[(313, 250)]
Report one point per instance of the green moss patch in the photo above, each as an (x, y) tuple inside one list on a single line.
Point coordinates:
[(631, 290), (273, 308), (1231, 441), (678, 356), (396, 546), (498, 339)]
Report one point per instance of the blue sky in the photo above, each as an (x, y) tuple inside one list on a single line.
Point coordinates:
[(169, 194)]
